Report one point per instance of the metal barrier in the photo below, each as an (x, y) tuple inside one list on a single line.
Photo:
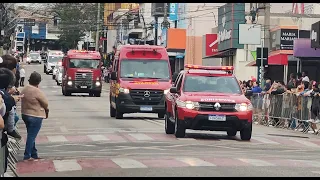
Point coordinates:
[(13, 146), (286, 110)]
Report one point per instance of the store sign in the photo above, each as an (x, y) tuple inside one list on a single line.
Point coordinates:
[(229, 18), (173, 13), (211, 44), (287, 37), (224, 34), (315, 39)]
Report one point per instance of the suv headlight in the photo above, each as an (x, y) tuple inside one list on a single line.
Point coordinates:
[(124, 90), (243, 107), (166, 91), (188, 104)]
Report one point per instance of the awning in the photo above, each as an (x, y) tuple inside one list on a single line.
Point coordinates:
[(225, 53), (278, 59)]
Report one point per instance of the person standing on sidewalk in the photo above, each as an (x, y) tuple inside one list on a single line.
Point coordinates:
[(34, 108), (22, 76)]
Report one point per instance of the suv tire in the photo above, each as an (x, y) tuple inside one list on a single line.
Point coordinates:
[(246, 133), (179, 129), (169, 126)]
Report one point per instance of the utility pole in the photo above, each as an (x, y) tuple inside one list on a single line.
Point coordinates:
[(165, 23), (98, 27)]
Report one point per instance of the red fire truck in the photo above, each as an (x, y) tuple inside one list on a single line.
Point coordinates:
[(82, 73)]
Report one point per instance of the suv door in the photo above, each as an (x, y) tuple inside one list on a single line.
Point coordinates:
[(174, 96)]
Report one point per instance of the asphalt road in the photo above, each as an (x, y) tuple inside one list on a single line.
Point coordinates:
[(81, 139)]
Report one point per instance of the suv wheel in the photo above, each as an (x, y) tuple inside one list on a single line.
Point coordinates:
[(232, 132), (169, 126), (161, 115), (179, 129), (246, 133), (97, 94), (112, 111)]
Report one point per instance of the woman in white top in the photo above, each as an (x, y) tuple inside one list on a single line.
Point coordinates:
[(22, 76)]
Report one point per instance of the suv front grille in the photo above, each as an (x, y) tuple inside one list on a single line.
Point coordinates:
[(209, 106), (146, 97), (84, 79)]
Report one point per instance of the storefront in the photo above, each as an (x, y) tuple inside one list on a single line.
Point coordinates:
[(229, 49), (308, 58), (175, 42)]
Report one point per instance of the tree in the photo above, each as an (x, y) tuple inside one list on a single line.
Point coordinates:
[(74, 20)]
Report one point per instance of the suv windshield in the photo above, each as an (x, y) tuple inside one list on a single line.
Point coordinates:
[(157, 69), (34, 56), (216, 84), (84, 63), (54, 58)]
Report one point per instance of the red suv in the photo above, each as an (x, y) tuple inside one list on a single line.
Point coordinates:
[(208, 98)]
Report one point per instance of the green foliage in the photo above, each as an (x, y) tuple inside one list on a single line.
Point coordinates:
[(74, 20)]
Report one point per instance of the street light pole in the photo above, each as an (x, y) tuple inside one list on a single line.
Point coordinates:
[(98, 26)]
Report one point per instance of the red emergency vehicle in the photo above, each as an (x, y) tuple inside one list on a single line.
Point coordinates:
[(208, 98), (82, 73), (140, 78)]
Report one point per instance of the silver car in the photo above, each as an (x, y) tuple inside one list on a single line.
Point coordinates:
[(34, 57), (58, 76)]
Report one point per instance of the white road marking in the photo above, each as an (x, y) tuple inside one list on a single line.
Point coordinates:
[(140, 137), (264, 140), (316, 172), (186, 139), (98, 137), (66, 165), (63, 129), (57, 138), (306, 143), (128, 163), (256, 162), (195, 162)]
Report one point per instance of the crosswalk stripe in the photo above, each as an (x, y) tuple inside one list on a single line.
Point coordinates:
[(195, 162), (264, 140), (306, 143), (98, 137), (66, 165), (256, 162), (140, 137), (59, 138), (128, 163)]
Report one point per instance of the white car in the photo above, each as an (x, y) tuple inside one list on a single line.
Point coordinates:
[(56, 69), (58, 76), (34, 57)]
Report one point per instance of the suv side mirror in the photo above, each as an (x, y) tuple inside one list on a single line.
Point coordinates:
[(113, 75), (173, 90)]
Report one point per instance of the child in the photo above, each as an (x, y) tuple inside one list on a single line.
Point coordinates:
[(22, 76)]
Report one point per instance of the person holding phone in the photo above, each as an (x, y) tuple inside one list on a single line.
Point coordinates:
[(34, 108)]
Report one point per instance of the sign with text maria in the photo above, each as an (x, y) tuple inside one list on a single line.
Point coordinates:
[(287, 36), (229, 18), (211, 44)]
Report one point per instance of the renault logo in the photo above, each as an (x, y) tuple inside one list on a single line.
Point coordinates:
[(147, 94), (217, 106)]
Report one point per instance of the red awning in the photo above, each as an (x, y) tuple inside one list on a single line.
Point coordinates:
[(278, 59)]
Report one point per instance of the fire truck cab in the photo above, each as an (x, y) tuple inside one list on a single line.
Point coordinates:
[(140, 78), (82, 73)]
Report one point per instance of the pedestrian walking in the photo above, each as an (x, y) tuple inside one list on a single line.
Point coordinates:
[(22, 76), (34, 108)]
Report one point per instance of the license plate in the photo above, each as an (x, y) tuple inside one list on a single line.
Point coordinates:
[(83, 87), (145, 108), (217, 118)]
